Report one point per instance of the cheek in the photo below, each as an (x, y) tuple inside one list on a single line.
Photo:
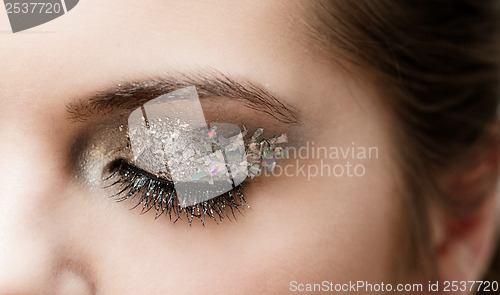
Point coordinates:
[(336, 229), (301, 232)]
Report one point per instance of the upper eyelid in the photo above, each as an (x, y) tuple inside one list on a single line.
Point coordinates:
[(131, 95), (164, 198)]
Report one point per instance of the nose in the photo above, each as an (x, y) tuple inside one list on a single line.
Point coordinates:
[(32, 187)]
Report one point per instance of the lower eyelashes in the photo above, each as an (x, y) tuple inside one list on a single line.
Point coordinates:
[(180, 166), (153, 193)]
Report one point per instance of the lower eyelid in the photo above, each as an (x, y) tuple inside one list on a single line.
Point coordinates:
[(107, 144), (155, 194)]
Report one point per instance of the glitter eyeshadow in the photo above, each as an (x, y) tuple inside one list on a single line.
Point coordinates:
[(224, 156), (159, 194), (175, 164), (169, 138), (262, 154)]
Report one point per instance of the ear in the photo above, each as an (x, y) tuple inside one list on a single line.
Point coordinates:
[(465, 245), (465, 226)]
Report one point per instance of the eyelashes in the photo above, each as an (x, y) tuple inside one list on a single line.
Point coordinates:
[(182, 166), (166, 159), (153, 193)]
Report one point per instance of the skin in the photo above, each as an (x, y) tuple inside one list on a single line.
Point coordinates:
[(61, 235)]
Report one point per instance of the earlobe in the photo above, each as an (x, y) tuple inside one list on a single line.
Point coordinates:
[(465, 245), (465, 226)]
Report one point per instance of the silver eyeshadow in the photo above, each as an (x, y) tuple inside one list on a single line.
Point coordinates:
[(109, 141), (168, 137)]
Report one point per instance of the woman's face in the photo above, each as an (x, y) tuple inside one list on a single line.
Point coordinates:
[(61, 231)]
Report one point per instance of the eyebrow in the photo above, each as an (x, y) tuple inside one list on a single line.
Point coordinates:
[(132, 95)]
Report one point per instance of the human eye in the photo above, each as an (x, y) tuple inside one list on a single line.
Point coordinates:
[(175, 164), (159, 194)]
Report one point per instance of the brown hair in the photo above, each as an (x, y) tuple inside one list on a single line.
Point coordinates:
[(439, 66)]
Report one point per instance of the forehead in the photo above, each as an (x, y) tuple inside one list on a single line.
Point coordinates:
[(104, 40), (99, 44)]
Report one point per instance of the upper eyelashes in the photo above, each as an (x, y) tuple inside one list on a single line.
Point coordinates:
[(179, 165), (161, 196), (157, 193)]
